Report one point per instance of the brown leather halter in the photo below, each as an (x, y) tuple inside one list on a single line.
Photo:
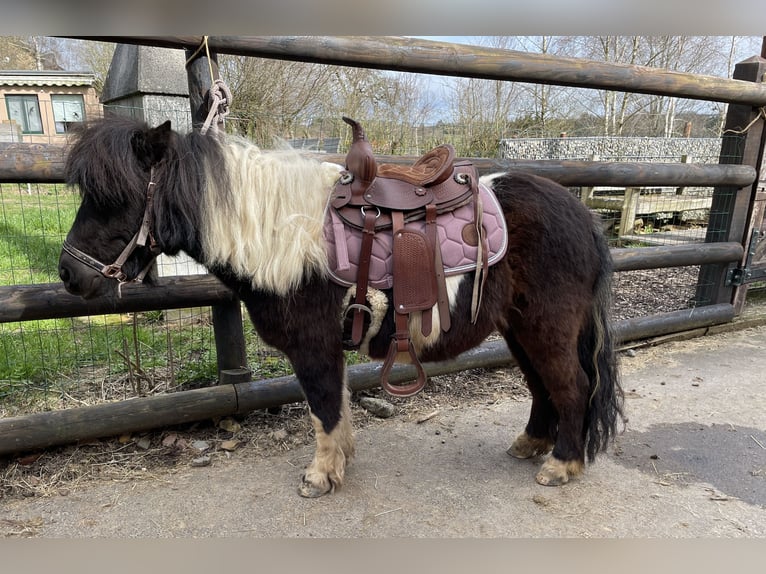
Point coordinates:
[(114, 270)]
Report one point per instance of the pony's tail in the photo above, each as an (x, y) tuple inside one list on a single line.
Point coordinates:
[(598, 359)]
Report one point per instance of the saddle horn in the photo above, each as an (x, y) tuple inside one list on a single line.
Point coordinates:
[(360, 160)]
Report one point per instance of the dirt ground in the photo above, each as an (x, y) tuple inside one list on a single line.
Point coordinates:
[(691, 462)]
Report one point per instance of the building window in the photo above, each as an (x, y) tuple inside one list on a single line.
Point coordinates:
[(68, 109), (25, 111)]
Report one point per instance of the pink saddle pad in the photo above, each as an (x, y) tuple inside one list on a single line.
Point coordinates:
[(344, 243)]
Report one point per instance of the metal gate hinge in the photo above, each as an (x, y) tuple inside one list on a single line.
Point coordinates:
[(740, 275)]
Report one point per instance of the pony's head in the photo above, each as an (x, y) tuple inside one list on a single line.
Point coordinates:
[(112, 163)]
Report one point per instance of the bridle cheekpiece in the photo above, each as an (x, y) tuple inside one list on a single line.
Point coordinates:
[(114, 270)]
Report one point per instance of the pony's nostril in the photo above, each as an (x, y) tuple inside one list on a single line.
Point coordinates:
[(64, 274)]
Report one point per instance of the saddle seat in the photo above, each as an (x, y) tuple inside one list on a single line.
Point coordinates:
[(385, 198), (398, 187), (431, 169)]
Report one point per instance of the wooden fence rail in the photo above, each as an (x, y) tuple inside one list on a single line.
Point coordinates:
[(52, 301), (44, 163), (444, 59)]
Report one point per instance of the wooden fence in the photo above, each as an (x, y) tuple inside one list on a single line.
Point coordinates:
[(734, 212)]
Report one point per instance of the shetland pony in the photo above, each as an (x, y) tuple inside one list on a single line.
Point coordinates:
[(254, 218)]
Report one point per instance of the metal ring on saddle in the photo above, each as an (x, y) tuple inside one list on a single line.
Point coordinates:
[(364, 214), (358, 307)]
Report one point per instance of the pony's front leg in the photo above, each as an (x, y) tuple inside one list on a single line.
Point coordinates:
[(328, 398)]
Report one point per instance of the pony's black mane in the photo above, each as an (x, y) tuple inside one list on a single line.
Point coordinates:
[(110, 164)]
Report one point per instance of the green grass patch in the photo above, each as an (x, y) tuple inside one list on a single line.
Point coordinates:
[(33, 223)]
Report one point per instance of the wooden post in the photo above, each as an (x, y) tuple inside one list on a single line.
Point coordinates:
[(730, 212), (202, 71), (628, 210), (230, 342), (586, 193), (685, 158)]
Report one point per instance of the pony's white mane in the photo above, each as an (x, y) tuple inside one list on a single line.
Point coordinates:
[(269, 228)]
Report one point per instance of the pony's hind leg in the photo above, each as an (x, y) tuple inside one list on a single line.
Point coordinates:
[(539, 434), (567, 385), (328, 399), (559, 389)]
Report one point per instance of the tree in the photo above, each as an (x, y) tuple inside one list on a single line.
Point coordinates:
[(28, 53), (482, 109), (295, 99), (273, 97), (92, 57), (656, 115)]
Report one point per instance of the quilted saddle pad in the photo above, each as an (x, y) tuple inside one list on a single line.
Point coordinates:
[(344, 243)]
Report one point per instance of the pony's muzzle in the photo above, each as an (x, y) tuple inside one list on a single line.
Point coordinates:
[(78, 279)]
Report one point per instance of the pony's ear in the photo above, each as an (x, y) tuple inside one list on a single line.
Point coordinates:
[(150, 146)]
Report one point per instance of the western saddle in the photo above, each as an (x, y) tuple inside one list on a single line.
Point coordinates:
[(384, 198)]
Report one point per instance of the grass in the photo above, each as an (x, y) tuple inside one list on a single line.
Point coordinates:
[(33, 223)]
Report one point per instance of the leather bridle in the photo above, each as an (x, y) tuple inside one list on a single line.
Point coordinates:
[(114, 270)]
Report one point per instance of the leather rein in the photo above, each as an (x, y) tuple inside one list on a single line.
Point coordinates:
[(114, 270)]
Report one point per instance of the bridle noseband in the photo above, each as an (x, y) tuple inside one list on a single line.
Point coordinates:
[(114, 270)]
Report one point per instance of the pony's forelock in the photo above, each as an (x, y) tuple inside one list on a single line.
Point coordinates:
[(101, 162)]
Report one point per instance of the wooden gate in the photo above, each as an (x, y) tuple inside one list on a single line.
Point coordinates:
[(753, 267), (738, 214)]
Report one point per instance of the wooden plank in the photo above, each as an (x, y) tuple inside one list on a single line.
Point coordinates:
[(229, 334), (646, 204), (48, 166), (628, 210), (669, 238), (611, 203), (31, 163), (631, 259), (442, 58), (45, 429), (665, 323), (660, 204), (52, 301)]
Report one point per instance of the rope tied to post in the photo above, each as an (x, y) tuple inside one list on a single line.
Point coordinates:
[(761, 115), (219, 94)]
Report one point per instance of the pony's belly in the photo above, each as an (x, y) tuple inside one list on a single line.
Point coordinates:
[(439, 345)]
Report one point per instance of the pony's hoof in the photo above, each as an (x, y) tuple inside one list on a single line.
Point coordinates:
[(315, 488), (527, 447), (551, 479), (555, 472)]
